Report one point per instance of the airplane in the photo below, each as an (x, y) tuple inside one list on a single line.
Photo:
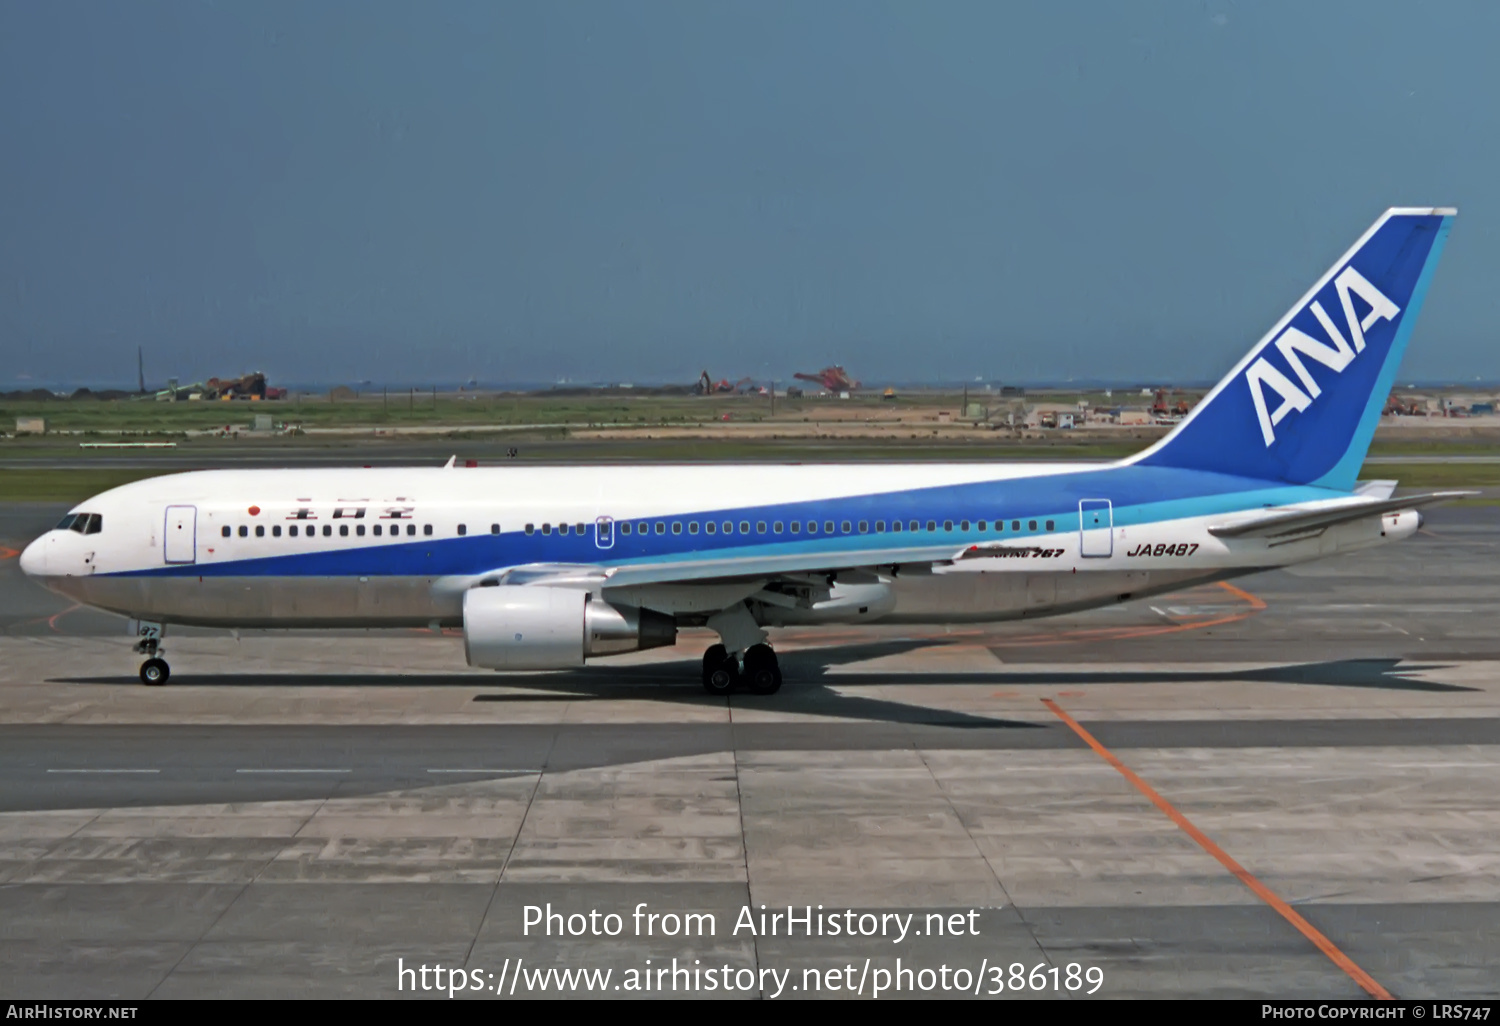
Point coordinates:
[(545, 567)]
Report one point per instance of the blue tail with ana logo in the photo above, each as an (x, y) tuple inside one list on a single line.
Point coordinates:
[(1303, 405)]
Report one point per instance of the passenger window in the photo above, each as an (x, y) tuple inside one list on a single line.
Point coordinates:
[(1031, 525), (864, 526), (1049, 525), (844, 527), (411, 529), (710, 527), (676, 527), (244, 531), (963, 526), (581, 528), (812, 527), (546, 528), (343, 530), (895, 525), (693, 527), (260, 531), (880, 527), (914, 526), (796, 527), (463, 529), (225, 532), (744, 527), (376, 530), (327, 530), (359, 529), (760, 527), (562, 528), (494, 529), (625, 527), (1015, 525), (728, 527), (932, 525), (661, 528), (776, 527), (828, 527), (947, 525), (982, 524), (276, 531), (292, 530)]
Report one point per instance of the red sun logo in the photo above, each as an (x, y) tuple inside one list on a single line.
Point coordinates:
[(255, 511)]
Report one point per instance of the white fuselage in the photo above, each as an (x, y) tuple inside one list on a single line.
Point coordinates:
[(399, 547)]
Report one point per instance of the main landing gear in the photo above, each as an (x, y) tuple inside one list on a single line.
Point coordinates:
[(758, 671)]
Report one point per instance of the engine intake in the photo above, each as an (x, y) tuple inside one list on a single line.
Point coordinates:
[(518, 627)]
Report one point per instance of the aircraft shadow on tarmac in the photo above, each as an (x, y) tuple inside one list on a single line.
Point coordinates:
[(813, 679)]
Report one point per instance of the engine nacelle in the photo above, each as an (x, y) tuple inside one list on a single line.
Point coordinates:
[(519, 627)]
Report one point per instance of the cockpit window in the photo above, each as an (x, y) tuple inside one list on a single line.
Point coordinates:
[(83, 523)]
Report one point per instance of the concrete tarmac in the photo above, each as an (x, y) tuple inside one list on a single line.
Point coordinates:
[(310, 815)]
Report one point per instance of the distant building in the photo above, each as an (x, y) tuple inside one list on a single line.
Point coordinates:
[(31, 425)]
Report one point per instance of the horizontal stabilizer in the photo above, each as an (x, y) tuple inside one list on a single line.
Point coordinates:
[(1274, 523)]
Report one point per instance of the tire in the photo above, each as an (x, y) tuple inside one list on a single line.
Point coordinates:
[(762, 670), (722, 678), (155, 672), (715, 655)]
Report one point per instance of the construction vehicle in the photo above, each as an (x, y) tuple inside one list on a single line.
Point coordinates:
[(1159, 407), (889, 393), (832, 379), (707, 386)]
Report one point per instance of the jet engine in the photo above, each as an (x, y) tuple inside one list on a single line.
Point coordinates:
[(534, 627)]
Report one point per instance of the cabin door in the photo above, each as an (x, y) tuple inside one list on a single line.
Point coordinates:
[(1096, 527), (179, 540)]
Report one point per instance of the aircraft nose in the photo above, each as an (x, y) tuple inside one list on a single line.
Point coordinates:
[(34, 558)]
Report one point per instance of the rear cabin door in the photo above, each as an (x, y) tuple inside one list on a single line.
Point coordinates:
[(1096, 527), (180, 536), (604, 533)]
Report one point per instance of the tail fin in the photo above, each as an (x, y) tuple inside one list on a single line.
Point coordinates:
[(1303, 405)]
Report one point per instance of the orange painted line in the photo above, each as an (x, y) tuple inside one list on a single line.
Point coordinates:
[(52, 620), (8, 553), (1343, 961), (1256, 603)]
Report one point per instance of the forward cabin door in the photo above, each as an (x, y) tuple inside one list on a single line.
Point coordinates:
[(179, 540), (1096, 527), (604, 533)]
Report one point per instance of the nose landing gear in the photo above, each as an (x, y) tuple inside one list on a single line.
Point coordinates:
[(154, 671)]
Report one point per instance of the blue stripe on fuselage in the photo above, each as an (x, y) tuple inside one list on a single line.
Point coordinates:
[(1140, 494)]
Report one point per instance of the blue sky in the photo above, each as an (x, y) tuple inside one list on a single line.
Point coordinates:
[(336, 191)]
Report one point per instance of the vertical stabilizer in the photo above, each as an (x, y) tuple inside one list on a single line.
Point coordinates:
[(1303, 405)]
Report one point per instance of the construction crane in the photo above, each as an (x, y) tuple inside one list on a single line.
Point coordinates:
[(832, 379)]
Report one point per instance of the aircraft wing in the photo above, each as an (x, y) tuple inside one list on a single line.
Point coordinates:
[(1278, 522), (726, 568)]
